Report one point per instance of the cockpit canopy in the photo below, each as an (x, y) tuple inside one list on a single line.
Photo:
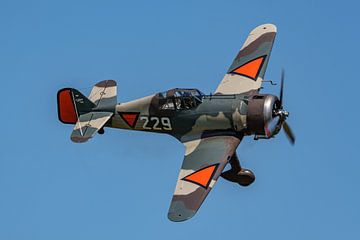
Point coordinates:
[(180, 99)]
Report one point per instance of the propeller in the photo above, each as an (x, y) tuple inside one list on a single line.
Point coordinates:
[(289, 133), (282, 87), (284, 114)]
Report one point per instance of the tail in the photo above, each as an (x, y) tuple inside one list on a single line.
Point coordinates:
[(89, 114)]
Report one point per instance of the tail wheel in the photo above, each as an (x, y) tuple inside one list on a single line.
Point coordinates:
[(101, 131)]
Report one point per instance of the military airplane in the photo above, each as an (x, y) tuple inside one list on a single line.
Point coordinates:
[(210, 126)]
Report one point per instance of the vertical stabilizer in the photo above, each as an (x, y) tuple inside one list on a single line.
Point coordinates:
[(71, 104)]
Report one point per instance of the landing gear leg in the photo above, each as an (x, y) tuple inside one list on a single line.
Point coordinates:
[(237, 174)]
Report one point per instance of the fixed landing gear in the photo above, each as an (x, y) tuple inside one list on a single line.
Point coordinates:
[(242, 176)]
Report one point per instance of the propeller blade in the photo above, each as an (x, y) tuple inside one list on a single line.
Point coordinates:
[(289, 133), (282, 87)]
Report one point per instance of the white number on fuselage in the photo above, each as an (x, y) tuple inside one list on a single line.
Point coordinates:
[(153, 123)]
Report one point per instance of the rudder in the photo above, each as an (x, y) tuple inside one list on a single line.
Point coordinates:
[(71, 104)]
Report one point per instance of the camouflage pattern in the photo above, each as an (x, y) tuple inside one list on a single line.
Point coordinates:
[(199, 153), (103, 94), (88, 124), (259, 43), (214, 113), (210, 126)]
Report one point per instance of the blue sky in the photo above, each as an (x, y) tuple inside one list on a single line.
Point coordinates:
[(119, 185)]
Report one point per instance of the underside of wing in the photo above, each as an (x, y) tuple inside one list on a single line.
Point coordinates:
[(203, 163), (248, 68)]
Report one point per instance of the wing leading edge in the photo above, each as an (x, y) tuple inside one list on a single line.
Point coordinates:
[(248, 68), (203, 163)]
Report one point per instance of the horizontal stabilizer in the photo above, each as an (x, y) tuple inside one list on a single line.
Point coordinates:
[(104, 94), (88, 124)]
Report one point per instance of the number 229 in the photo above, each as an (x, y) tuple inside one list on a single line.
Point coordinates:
[(165, 123)]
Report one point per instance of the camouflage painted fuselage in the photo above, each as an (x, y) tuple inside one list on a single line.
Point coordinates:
[(216, 114)]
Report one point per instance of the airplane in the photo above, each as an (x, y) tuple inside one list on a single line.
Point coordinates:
[(210, 126)]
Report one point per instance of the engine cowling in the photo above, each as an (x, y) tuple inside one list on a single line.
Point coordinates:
[(261, 118)]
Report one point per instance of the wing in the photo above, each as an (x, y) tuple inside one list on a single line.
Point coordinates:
[(203, 163), (248, 68), (88, 124)]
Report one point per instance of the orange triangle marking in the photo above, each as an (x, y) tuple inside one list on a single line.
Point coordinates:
[(203, 176), (250, 69), (130, 118)]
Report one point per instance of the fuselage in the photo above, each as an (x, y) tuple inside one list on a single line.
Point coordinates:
[(183, 117)]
